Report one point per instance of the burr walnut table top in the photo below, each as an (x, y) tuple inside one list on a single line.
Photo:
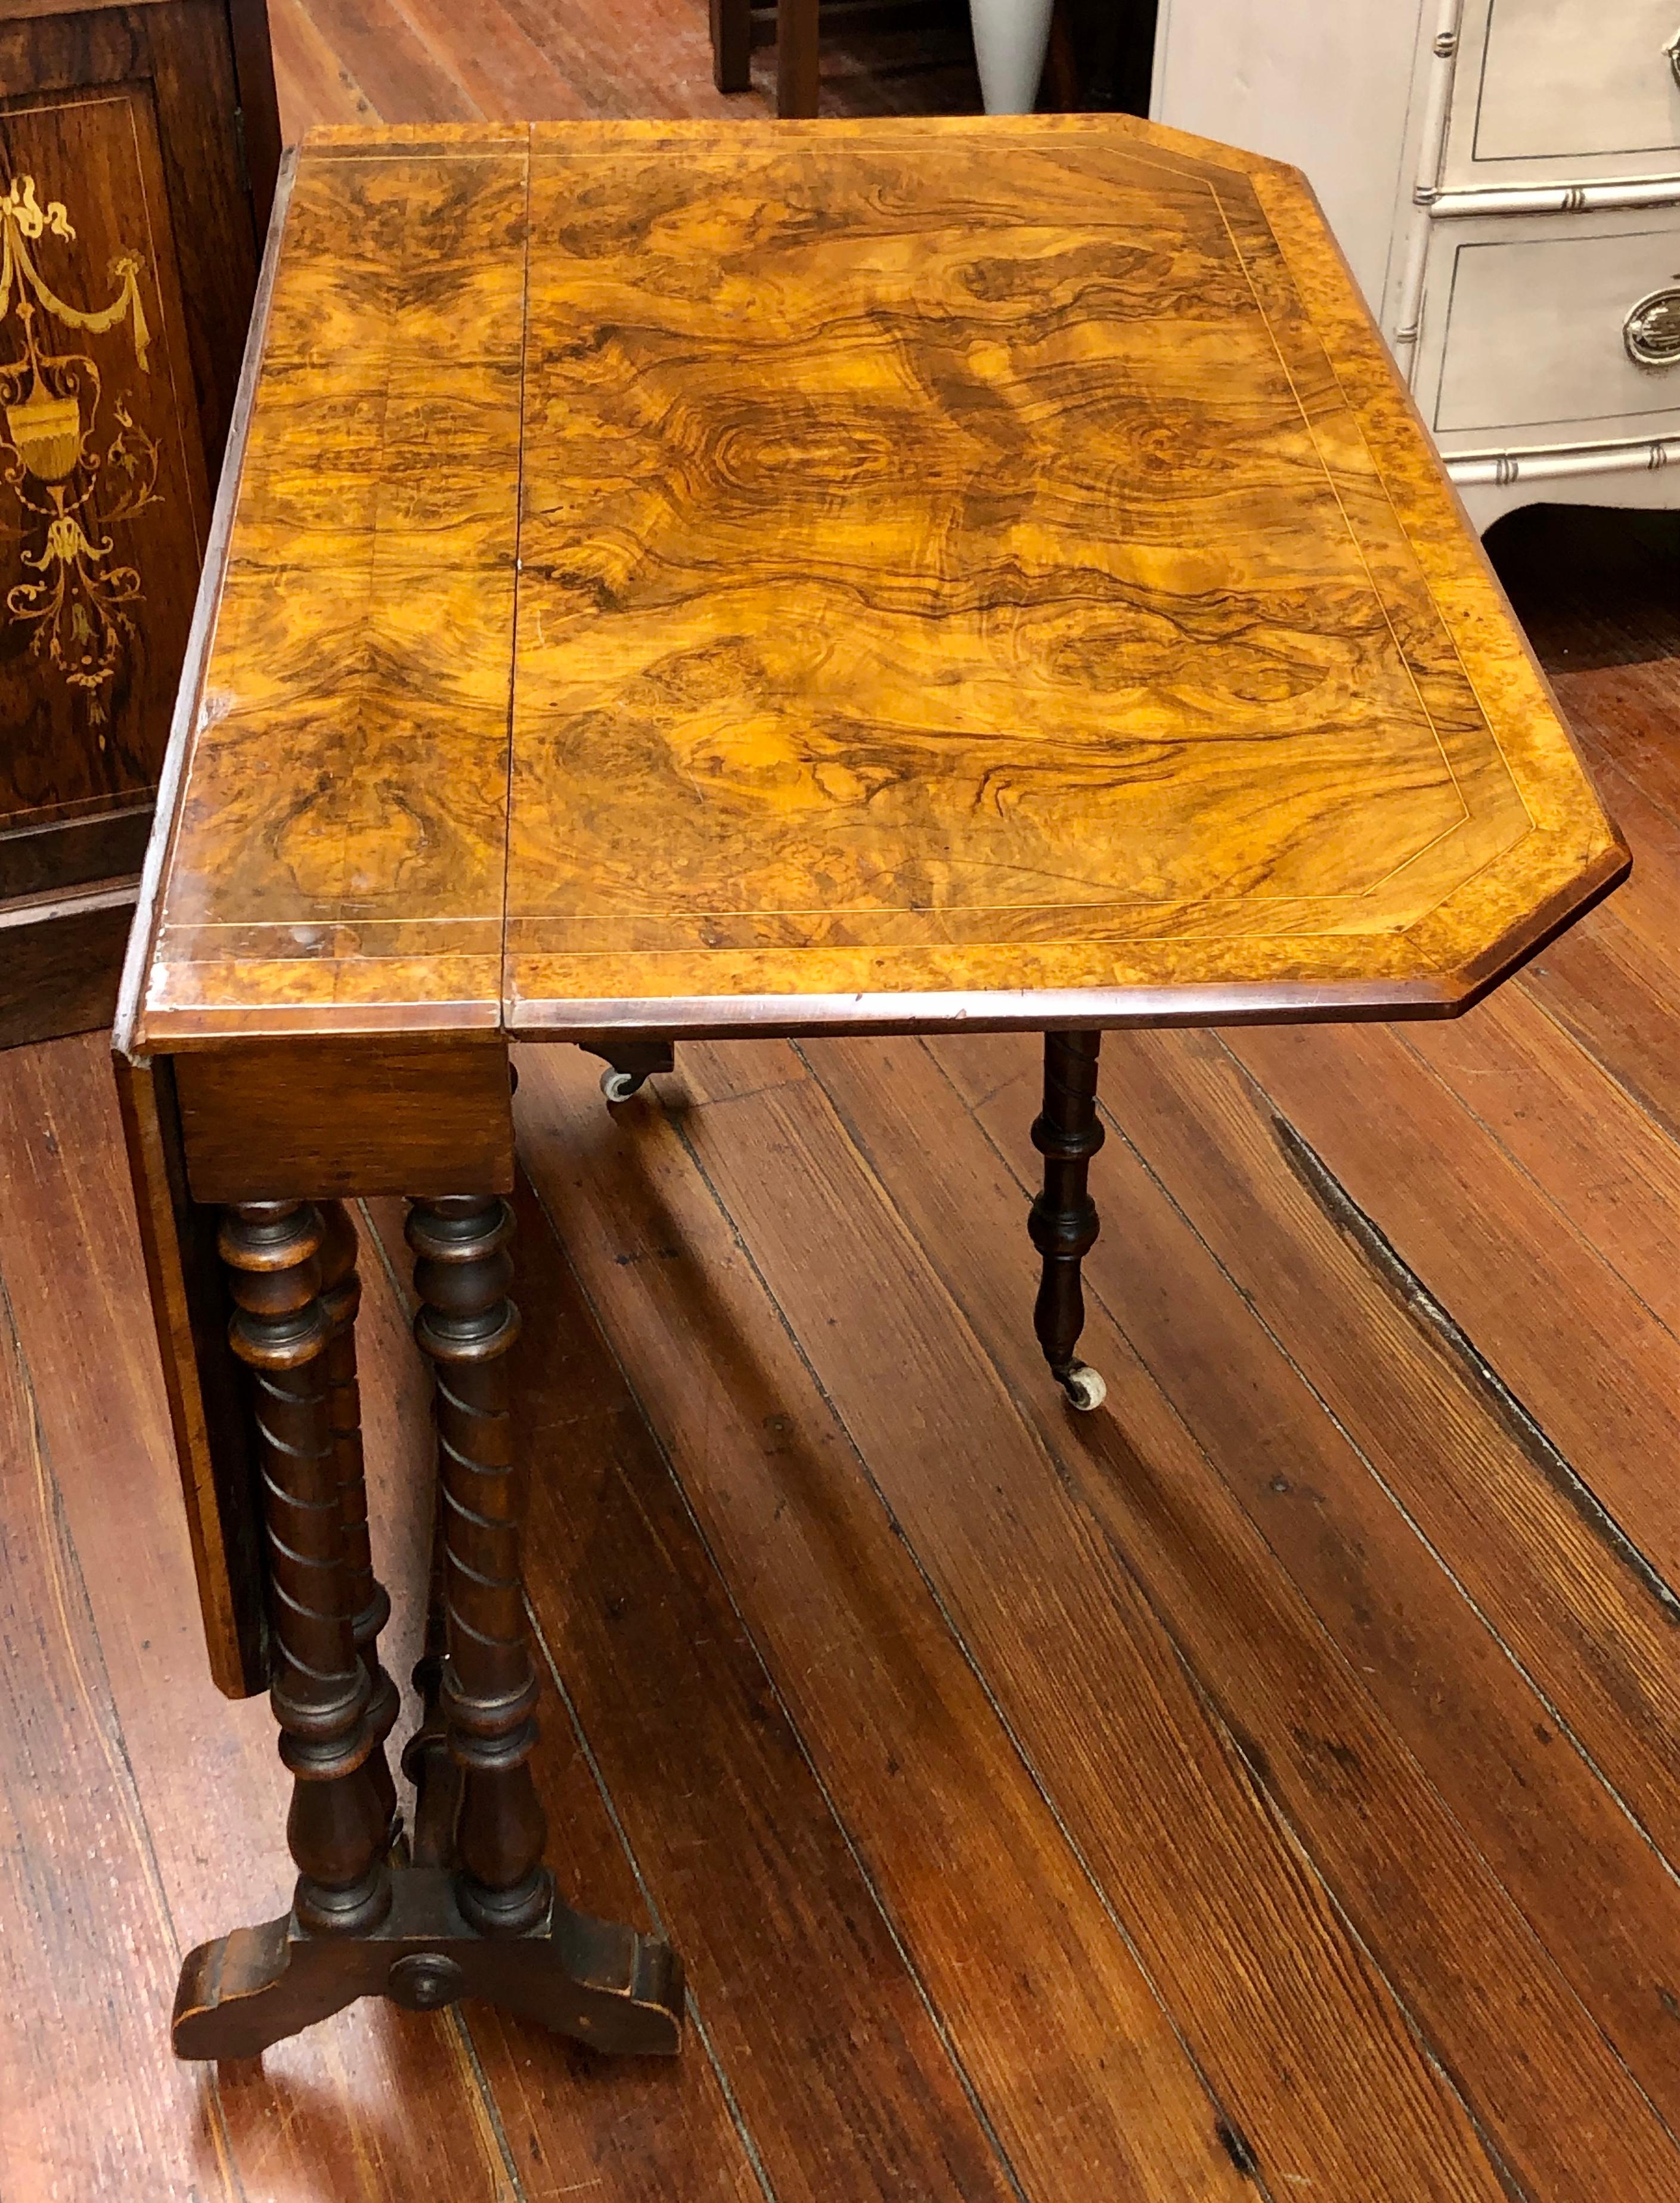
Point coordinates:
[(728, 577)]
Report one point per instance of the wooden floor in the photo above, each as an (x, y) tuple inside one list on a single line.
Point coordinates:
[(1264, 1787)]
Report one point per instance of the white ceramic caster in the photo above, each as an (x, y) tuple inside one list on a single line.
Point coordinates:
[(620, 1085), (1011, 38), (1084, 1388)]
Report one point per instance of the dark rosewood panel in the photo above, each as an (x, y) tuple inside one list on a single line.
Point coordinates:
[(103, 503)]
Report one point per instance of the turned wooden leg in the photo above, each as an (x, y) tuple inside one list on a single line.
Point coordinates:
[(466, 1326), (731, 44), (630, 1064), (1064, 1220), (321, 1693), (341, 1297), (476, 1915)]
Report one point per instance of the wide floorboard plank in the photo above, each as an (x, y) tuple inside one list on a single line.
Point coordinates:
[(1552, 1107), (499, 66), (1362, 1465), (1585, 1355), (92, 2102), (403, 78), (1511, 1525), (1249, 1952), (844, 2085), (313, 83), (1600, 593), (1041, 1996), (1474, 1978)]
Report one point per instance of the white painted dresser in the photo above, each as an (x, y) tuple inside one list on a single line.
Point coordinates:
[(1504, 176)]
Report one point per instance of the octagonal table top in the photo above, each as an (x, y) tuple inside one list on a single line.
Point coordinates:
[(680, 578)]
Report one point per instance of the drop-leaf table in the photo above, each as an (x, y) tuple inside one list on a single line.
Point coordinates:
[(734, 580)]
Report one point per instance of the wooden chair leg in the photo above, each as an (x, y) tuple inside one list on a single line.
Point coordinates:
[(477, 1915), (797, 50), (1063, 1219), (731, 44)]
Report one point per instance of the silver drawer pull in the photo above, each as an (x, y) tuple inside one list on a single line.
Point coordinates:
[(1651, 331), (1672, 49)]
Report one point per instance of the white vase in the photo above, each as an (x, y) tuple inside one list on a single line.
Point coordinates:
[(1010, 40)]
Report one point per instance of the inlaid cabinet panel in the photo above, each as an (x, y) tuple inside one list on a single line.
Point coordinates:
[(129, 235), (103, 503)]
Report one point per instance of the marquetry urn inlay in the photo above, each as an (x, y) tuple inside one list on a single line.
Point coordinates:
[(76, 465)]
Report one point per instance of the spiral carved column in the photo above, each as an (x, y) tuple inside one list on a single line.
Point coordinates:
[(320, 1694), (466, 1325), (475, 1913), (1063, 1224), (340, 1299)]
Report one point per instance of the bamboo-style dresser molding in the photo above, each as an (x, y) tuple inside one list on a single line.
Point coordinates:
[(137, 151), (1505, 178), (741, 580)]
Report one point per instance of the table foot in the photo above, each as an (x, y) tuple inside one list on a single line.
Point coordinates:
[(596, 1981)]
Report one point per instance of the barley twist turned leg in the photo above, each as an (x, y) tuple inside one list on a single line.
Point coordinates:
[(1064, 1220), (320, 1694), (425, 1756), (475, 1914), (466, 1326), (340, 1298)]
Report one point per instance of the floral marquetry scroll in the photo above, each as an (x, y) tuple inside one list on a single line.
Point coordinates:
[(73, 490), (104, 488)]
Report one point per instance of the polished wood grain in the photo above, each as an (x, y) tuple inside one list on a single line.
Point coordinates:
[(387, 646), (344, 1121), (1082, 631), (825, 1702)]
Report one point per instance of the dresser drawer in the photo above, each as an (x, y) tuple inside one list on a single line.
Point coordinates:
[(1525, 333), (1569, 89)]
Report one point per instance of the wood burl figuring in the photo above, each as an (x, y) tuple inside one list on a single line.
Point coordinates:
[(731, 579)]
